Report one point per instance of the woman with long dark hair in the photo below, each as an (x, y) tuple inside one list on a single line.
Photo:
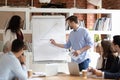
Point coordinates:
[(107, 55), (12, 32)]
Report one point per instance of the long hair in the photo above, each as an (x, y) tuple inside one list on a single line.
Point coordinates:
[(107, 48), (14, 24)]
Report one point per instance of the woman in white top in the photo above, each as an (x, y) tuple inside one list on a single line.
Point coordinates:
[(12, 32)]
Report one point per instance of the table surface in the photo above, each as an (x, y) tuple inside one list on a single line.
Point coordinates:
[(68, 77)]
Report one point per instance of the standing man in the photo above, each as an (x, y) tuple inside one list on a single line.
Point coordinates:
[(79, 41)]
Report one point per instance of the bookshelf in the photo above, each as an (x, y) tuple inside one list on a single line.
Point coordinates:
[(111, 13), (69, 12), (114, 15)]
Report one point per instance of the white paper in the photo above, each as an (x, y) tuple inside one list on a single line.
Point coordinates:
[(71, 54), (35, 79), (39, 74), (44, 29)]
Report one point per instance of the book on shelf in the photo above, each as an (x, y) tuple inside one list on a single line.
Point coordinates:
[(103, 24)]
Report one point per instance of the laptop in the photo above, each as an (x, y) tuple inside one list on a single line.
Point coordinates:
[(73, 69)]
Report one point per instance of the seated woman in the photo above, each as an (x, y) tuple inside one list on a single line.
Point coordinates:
[(114, 71), (107, 55)]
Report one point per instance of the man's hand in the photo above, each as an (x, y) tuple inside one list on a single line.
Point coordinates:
[(76, 53), (52, 41)]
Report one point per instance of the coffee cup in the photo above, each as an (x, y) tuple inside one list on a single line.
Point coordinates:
[(30, 73), (84, 73)]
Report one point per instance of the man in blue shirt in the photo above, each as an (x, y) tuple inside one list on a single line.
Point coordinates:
[(79, 40), (10, 67)]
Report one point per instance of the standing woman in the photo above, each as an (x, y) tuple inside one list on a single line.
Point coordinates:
[(12, 32)]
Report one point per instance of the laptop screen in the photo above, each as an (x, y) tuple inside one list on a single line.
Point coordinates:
[(73, 68)]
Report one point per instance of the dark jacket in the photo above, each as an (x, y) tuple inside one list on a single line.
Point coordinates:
[(108, 62), (114, 72)]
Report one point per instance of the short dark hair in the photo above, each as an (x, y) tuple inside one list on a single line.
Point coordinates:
[(116, 40), (72, 18), (17, 45)]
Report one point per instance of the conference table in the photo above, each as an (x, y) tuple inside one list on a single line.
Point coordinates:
[(62, 76)]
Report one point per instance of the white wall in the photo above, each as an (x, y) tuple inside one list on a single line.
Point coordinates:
[(116, 22)]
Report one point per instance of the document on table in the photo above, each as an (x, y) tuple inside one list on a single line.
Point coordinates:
[(71, 54), (39, 74), (34, 79)]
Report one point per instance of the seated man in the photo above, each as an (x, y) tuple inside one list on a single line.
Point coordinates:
[(114, 71), (10, 66)]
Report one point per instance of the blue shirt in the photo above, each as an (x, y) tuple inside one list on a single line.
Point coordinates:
[(10, 68), (77, 40)]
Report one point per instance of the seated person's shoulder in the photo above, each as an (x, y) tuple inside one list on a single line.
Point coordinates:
[(1, 54)]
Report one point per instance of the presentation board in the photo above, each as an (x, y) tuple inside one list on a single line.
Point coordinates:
[(45, 28)]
